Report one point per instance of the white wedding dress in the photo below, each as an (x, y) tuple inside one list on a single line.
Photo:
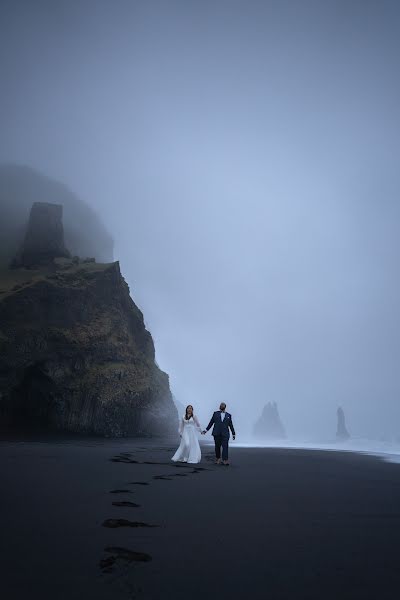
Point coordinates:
[(189, 448)]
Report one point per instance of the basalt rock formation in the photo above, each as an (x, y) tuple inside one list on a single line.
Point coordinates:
[(44, 238), (341, 431), (74, 351), (269, 425), (20, 187)]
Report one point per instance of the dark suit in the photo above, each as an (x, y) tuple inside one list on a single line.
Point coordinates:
[(221, 433)]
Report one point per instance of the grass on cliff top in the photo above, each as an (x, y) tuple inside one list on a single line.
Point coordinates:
[(13, 280)]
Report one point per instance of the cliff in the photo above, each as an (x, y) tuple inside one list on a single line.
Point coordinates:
[(75, 354)]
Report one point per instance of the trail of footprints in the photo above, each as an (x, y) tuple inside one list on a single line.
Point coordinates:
[(116, 553)]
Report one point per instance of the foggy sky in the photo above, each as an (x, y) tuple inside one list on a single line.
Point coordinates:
[(245, 157)]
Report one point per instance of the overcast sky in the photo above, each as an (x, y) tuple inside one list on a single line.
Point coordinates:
[(245, 157)]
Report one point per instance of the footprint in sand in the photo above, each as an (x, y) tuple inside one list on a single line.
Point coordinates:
[(120, 492), (138, 483), (107, 564), (170, 475), (114, 523), (126, 503), (123, 459)]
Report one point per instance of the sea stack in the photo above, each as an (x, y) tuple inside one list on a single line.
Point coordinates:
[(269, 426), (341, 431)]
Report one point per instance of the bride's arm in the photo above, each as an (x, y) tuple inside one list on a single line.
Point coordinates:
[(181, 426), (195, 419)]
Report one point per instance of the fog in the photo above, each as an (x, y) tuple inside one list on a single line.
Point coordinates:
[(245, 158)]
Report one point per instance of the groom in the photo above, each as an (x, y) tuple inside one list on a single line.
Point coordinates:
[(222, 422)]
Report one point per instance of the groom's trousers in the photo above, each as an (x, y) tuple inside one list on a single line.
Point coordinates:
[(219, 441)]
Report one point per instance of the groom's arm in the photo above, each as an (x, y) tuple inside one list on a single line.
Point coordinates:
[(231, 427), (210, 423)]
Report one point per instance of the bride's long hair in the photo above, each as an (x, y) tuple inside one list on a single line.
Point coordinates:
[(187, 417)]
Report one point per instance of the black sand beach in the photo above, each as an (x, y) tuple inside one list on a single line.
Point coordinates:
[(276, 524)]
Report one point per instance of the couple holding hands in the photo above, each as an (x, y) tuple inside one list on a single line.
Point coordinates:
[(189, 448)]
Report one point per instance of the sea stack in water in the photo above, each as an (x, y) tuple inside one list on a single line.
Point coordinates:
[(74, 351), (269, 425), (44, 238), (341, 431)]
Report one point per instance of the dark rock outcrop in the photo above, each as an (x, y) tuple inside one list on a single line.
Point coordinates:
[(341, 431), (75, 354), (44, 238), (269, 425), (20, 187)]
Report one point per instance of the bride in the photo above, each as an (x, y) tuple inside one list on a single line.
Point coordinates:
[(189, 448)]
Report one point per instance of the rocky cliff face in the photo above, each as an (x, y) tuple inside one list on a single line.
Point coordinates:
[(75, 354)]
